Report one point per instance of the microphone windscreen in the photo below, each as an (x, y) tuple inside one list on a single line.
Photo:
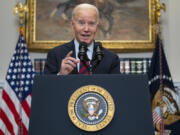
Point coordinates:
[(82, 45), (98, 51), (98, 44), (82, 51)]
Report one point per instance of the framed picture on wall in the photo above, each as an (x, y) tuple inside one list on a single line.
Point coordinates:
[(125, 25)]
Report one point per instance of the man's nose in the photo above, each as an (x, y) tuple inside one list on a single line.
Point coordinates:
[(86, 27)]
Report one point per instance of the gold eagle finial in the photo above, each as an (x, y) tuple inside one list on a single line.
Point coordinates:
[(20, 10), (157, 9)]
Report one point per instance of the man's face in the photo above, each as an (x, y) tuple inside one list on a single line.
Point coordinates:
[(85, 25)]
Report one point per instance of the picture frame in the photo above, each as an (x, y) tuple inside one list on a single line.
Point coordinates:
[(125, 25)]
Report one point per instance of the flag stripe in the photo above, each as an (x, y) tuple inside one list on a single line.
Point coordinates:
[(10, 105), (156, 117), (12, 95), (1, 132), (26, 108), (7, 122), (10, 116), (25, 119), (3, 128), (28, 100), (25, 131)]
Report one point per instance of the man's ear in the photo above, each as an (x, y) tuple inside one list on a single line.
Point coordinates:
[(97, 26), (72, 24)]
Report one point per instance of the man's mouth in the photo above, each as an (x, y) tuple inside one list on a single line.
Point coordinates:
[(85, 35)]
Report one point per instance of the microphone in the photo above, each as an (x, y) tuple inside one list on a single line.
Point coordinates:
[(83, 52), (97, 56), (98, 52)]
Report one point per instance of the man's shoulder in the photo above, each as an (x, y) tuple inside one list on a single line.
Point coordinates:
[(109, 52), (66, 47)]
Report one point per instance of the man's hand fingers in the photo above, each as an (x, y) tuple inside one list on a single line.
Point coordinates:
[(69, 67), (70, 62), (75, 61), (70, 58)]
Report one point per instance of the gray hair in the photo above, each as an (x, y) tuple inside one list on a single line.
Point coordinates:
[(85, 6)]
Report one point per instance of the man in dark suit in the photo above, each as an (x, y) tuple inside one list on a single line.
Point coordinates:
[(64, 60)]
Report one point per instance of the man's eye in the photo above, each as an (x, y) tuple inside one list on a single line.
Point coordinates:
[(81, 22), (91, 23)]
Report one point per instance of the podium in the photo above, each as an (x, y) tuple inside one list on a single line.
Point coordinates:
[(50, 96)]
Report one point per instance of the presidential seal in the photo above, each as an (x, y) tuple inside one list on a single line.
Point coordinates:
[(91, 108)]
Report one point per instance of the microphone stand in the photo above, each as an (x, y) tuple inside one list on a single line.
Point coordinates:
[(90, 68), (93, 65)]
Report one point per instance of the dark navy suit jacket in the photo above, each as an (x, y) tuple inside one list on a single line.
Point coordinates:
[(110, 63)]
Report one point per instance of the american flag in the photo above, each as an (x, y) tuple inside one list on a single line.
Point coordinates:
[(157, 115), (16, 95)]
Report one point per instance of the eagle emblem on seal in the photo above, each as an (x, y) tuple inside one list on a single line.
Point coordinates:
[(90, 108)]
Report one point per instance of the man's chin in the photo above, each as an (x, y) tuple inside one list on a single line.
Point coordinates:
[(87, 41)]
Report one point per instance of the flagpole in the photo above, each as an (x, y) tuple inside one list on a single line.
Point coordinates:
[(19, 8), (20, 132), (161, 79), (158, 7)]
